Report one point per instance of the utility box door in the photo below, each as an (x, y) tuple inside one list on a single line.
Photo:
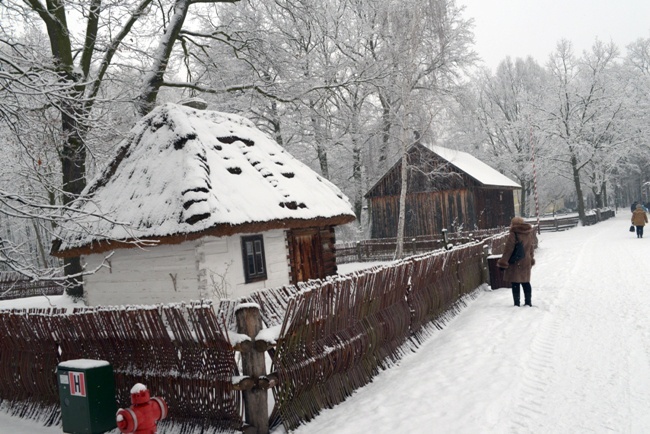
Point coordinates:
[(496, 274), (87, 394)]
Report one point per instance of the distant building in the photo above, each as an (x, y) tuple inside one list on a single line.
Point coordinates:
[(447, 189), (221, 208)]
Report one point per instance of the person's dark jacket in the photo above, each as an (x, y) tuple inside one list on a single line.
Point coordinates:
[(519, 271), (639, 217)]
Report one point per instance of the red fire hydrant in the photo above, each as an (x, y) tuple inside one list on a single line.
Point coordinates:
[(144, 413)]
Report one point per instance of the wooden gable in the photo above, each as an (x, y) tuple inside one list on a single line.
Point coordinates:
[(428, 172), (439, 196)]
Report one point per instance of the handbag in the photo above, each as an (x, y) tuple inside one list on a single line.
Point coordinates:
[(632, 228), (518, 252)]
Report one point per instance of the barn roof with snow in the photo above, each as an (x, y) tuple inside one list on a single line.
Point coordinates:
[(183, 173), (473, 167)]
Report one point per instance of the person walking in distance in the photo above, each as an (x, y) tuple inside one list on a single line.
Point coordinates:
[(639, 219), (518, 273)]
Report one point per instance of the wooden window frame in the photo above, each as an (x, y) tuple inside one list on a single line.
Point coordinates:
[(258, 271)]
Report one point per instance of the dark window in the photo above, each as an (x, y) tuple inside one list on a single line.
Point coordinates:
[(253, 256)]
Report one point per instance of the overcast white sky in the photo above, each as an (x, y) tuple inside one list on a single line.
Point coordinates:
[(518, 28)]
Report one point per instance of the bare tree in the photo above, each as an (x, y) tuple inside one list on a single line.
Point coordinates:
[(429, 51), (86, 40), (509, 117), (585, 112)]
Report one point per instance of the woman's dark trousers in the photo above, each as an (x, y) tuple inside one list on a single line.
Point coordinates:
[(639, 231), (527, 293)]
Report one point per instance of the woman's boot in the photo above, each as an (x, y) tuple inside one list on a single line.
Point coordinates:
[(527, 294), (515, 293)]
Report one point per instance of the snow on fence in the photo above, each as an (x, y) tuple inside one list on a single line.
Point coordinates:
[(338, 334), (178, 352), (561, 223), (383, 249), (335, 336), (15, 285)]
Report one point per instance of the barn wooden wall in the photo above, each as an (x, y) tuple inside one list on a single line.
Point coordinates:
[(495, 207), (427, 172), (454, 210), (440, 196), (426, 213)]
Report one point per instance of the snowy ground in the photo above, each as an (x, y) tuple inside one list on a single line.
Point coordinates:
[(578, 361)]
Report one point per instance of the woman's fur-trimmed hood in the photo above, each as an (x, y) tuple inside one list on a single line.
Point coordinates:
[(521, 228)]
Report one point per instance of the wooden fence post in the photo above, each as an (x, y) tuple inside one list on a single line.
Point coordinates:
[(415, 249), (485, 270), (359, 251), (444, 237), (256, 412)]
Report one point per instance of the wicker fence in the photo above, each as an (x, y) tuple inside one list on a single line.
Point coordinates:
[(179, 352), (383, 249), (564, 222), (336, 336), (339, 335), (14, 285)]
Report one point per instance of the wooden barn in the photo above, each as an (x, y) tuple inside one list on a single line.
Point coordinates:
[(447, 189), (198, 204)]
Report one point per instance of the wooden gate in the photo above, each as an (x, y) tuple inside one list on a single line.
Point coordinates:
[(305, 248)]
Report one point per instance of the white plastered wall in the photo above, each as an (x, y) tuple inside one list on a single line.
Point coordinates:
[(225, 253), (208, 268)]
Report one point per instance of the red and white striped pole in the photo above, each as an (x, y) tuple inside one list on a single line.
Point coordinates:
[(532, 150)]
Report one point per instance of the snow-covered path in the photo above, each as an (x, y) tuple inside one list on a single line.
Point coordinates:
[(578, 361)]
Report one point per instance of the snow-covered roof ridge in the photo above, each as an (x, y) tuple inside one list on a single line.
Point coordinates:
[(187, 171), (474, 167)]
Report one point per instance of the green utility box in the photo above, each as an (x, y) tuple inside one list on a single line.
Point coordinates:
[(496, 274), (87, 393)]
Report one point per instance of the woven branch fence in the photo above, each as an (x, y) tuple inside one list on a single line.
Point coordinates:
[(179, 352), (383, 249), (336, 336), (14, 285), (339, 334)]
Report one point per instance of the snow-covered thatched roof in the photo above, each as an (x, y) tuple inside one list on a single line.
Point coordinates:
[(183, 173), (474, 167)]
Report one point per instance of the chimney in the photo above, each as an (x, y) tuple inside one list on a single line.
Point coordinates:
[(194, 102)]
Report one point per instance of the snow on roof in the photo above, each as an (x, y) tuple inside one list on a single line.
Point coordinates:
[(475, 168), (183, 170)]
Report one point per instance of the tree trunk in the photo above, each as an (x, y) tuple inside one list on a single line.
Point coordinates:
[(39, 243), (321, 151), (276, 124), (356, 162), (385, 135), (523, 199), (578, 187), (154, 79), (322, 160), (399, 250), (598, 195), (356, 179), (73, 166)]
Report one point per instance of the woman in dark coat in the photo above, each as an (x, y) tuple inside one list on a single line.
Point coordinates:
[(518, 274), (639, 219)]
